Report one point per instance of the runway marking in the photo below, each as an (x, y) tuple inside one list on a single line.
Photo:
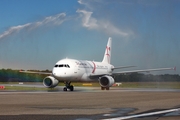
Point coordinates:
[(144, 114)]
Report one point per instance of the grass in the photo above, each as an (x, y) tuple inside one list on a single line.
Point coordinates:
[(172, 85), (20, 87), (24, 88), (160, 85)]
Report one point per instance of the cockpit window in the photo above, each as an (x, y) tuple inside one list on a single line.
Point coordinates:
[(62, 65), (56, 66)]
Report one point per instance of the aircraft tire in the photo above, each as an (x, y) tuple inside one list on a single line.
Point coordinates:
[(102, 88), (65, 89), (71, 88), (107, 88)]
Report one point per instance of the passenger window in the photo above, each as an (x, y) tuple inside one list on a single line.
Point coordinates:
[(60, 65), (63, 65)]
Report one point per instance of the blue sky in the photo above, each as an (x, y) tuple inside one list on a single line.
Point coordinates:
[(36, 34)]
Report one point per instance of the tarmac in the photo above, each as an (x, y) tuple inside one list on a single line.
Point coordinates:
[(89, 104)]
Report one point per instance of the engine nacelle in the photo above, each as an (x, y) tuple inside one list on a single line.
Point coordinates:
[(50, 82), (106, 81)]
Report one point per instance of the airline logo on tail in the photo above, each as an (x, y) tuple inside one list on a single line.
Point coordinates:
[(107, 54)]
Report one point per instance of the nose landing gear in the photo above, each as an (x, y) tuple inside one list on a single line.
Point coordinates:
[(68, 86)]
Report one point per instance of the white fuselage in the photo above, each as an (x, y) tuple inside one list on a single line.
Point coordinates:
[(79, 70)]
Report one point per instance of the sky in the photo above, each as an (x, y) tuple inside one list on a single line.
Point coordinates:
[(35, 34)]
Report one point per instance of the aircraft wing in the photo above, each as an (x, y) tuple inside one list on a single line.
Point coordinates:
[(146, 70), (96, 76), (121, 67), (34, 72)]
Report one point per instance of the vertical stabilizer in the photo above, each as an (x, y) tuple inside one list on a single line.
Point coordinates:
[(107, 54)]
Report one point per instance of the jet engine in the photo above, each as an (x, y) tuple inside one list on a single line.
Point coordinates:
[(106, 81), (50, 82)]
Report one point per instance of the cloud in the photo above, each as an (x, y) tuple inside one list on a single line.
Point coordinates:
[(51, 20), (80, 2), (86, 4), (102, 25), (87, 20), (110, 28), (92, 23)]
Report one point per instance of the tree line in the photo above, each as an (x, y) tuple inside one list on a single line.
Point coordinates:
[(140, 77), (9, 75)]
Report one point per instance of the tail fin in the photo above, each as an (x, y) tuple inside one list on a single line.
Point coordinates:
[(107, 54)]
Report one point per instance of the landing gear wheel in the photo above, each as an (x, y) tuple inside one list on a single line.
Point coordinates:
[(68, 86), (107, 88), (65, 89), (102, 88), (71, 88)]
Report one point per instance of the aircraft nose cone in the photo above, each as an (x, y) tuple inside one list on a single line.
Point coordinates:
[(57, 73)]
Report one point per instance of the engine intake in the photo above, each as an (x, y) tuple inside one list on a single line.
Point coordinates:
[(106, 81), (50, 82)]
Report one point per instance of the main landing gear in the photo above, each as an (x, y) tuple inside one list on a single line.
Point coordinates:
[(68, 86), (103, 88)]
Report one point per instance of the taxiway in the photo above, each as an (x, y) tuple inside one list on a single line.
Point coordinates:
[(89, 104)]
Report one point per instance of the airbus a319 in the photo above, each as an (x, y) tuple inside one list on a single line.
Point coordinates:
[(71, 70)]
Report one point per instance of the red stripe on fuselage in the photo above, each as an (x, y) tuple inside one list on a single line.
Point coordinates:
[(94, 67)]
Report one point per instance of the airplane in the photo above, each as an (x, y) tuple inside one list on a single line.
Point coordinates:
[(71, 70)]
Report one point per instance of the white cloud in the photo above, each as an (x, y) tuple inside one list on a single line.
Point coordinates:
[(99, 24), (110, 28), (51, 20), (80, 2), (87, 20), (86, 4), (92, 23)]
